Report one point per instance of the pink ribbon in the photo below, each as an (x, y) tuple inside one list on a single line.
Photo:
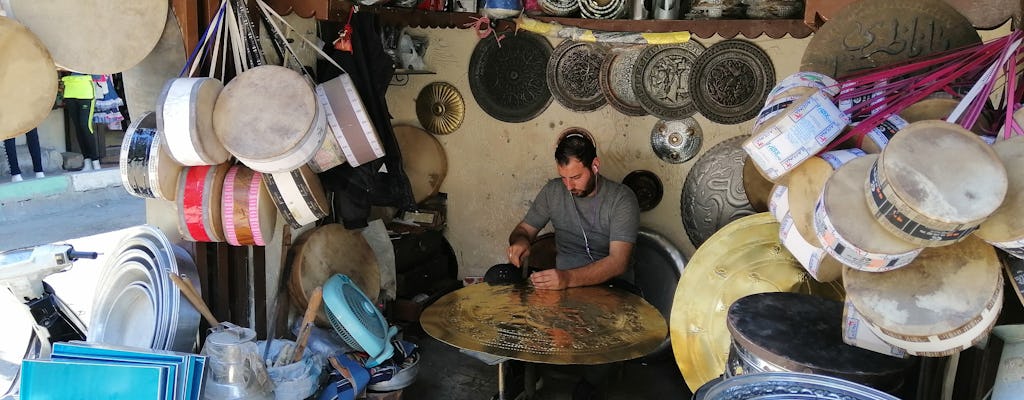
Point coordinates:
[(482, 26)]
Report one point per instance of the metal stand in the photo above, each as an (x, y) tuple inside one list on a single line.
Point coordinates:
[(501, 380)]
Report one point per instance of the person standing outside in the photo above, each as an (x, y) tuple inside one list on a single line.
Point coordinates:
[(595, 221), (32, 139), (78, 103)]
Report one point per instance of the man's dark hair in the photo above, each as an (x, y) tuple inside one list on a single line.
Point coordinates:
[(576, 145)]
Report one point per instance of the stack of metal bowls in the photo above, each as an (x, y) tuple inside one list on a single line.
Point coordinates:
[(604, 9), (136, 303)]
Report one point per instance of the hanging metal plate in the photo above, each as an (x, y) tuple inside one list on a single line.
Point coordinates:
[(646, 186), (573, 74), (509, 81), (661, 79), (874, 33), (731, 80), (440, 108), (713, 193), (616, 80), (676, 141)]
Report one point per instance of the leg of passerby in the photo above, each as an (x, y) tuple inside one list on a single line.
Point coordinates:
[(12, 159), (32, 139), (79, 112)]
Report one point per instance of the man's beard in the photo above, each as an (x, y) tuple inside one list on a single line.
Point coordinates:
[(589, 189)]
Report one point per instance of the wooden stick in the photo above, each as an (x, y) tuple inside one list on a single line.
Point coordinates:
[(195, 298), (307, 322)]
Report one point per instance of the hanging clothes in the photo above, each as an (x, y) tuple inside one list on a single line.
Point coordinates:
[(107, 103), (382, 182)]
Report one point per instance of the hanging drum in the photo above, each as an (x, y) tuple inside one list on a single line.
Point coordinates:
[(713, 193), (509, 81), (324, 251), (350, 135), (298, 195), (29, 86), (143, 82), (616, 79), (147, 171), (879, 24), (731, 80), (423, 159), (661, 78), (1005, 227), (573, 74), (440, 108), (270, 133), (792, 332), (676, 141), (945, 301), (93, 37), (719, 273), (184, 113), (249, 215), (646, 186), (199, 203), (757, 187)]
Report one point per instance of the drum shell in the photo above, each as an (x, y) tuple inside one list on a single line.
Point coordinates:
[(184, 115), (1005, 227)]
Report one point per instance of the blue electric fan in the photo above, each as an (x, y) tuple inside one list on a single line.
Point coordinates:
[(357, 320)]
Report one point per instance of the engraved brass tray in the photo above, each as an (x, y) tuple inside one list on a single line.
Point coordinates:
[(731, 80), (585, 325), (743, 258), (661, 79), (573, 75), (508, 81)]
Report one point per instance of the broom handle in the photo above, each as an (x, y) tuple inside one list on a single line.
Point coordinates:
[(195, 298), (307, 322)]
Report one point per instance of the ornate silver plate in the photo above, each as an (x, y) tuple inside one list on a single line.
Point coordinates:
[(661, 79), (713, 192), (676, 141), (790, 386), (616, 80), (508, 81), (573, 75), (731, 80)]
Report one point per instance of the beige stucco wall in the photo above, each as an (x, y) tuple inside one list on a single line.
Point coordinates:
[(495, 168)]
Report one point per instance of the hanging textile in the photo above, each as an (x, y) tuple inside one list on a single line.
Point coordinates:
[(108, 103)]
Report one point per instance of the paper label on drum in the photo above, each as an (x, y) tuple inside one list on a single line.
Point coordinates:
[(837, 158), (886, 212), (778, 204), (857, 334), (886, 130), (850, 255), (815, 80), (806, 253), (348, 119), (804, 130), (774, 109), (1014, 247)]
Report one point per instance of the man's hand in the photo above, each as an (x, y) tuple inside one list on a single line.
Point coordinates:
[(550, 279), (519, 243)]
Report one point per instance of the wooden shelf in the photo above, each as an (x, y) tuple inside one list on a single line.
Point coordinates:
[(749, 28)]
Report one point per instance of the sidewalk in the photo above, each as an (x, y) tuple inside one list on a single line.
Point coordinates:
[(57, 183)]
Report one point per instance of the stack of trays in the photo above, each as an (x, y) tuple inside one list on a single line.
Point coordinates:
[(603, 9), (90, 371)]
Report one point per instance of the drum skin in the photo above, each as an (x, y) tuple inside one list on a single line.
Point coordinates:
[(29, 84)]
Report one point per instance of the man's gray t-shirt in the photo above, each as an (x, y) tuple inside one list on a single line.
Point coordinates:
[(612, 214)]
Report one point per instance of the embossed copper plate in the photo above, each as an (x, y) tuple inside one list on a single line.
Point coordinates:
[(616, 80), (573, 74), (509, 81), (584, 325), (646, 186), (713, 193), (875, 33), (676, 141), (440, 108), (731, 80), (743, 258), (661, 79)]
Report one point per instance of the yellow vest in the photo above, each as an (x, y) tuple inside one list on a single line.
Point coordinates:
[(77, 86)]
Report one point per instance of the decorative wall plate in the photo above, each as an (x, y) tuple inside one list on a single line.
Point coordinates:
[(509, 81), (646, 186), (713, 193), (661, 79), (874, 33), (573, 73), (676, 141), (440, 108), (731, 80), (616, 80)]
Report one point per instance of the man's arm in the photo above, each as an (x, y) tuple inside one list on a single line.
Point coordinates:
[(591, 274), (519, 242)]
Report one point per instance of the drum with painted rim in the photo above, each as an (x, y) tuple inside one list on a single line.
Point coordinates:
[(185, 113), (298, 195), (199, 202), (845, 226), (248, 211), (935, 183), (147, 170)]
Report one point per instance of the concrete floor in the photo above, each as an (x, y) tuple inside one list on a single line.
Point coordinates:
[(445, 373)]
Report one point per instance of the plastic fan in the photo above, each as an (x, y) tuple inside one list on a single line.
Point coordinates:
[(357, 320)]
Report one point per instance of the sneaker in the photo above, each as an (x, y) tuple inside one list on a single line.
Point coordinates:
[(87, 165), (40, 175), (16, 178), (96, 164), (585, 391)]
